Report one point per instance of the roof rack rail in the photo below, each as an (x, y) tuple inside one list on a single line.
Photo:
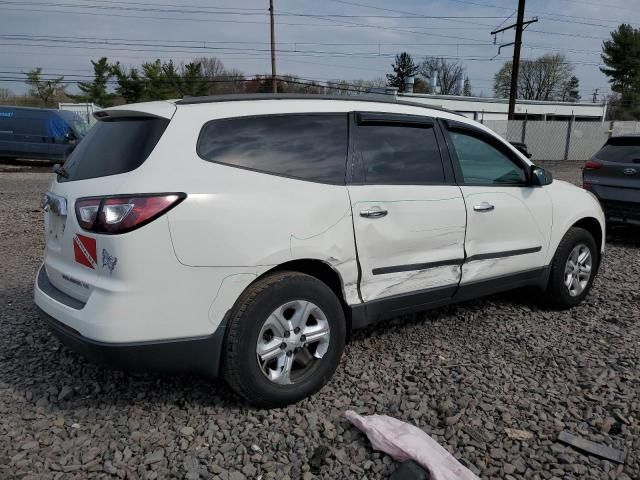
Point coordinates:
[(378, 98)]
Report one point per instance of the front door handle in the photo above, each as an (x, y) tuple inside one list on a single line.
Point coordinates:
[(483, 207), (375, 212)]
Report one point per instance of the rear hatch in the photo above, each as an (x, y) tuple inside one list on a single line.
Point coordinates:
[(117, 145), (614, 172)]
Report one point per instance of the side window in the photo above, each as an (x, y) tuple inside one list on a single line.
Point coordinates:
[(482, 163), (310, 146), (399, 154)]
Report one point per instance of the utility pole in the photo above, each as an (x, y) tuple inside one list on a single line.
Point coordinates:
[(274, 82), (517, 44), (513, 91)]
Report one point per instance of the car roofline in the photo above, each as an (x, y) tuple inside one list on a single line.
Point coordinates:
[(381, 98)]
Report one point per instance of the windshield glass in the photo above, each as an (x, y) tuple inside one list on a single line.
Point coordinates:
[(79, 126)]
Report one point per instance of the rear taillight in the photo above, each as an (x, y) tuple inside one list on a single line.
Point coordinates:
[(123, 213), (592, 165)]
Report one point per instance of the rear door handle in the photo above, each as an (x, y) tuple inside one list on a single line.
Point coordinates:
[(483, 207), (375, 212)]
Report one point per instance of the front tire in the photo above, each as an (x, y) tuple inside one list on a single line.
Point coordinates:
[(573, 269), (284, 340)]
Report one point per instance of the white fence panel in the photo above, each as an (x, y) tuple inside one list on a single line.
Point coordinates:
[(586, 139), (547, 140)]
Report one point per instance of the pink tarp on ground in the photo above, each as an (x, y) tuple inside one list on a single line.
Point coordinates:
[(403, 442)]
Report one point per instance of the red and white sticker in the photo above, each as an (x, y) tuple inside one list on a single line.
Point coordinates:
[(84, 251)]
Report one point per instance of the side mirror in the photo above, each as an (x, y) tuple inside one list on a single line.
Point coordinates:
[(70, 136), (540, 176)]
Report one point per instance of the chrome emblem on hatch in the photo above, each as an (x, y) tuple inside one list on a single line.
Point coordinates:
[(630, 171)]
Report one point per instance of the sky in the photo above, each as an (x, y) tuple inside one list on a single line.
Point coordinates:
[(319, 40)]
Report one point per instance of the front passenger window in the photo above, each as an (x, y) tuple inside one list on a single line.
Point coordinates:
[(482, 163)]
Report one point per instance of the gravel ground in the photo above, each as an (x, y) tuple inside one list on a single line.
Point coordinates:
[(464, 374)]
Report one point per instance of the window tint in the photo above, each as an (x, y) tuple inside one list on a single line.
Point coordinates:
[(621, 150), (114, 146), (309, 147), (482, 163), (399, 154)]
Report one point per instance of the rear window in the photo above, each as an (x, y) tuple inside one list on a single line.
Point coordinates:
[(621, 150), (114, 146), (309, 146)]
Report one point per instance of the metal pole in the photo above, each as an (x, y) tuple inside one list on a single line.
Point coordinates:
[(273, 50), (567, 145), (513, 93)]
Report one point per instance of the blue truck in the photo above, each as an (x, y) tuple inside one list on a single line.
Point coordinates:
[(39, 133)]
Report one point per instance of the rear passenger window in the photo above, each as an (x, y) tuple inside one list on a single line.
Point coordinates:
[(399, 154), (309, 147)]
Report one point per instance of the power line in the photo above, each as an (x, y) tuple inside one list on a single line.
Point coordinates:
[(337, 23), (204, 44), (242, 12), (551, 17)]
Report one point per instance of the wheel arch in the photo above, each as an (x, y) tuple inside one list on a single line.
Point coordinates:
[(324, 272), (593, 226)]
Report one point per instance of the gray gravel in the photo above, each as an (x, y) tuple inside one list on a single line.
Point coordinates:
[(465, 374)]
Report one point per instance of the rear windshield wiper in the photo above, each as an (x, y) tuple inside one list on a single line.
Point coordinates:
[(59, 170)]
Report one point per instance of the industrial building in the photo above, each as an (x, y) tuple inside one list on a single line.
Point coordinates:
[(487, 109)]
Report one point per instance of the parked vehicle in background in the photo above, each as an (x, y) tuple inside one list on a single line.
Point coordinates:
[(522, 148), (39, 133), (248, 235), (613, 176)]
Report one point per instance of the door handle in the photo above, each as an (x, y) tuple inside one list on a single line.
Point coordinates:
[(483, 207), (375, 212)]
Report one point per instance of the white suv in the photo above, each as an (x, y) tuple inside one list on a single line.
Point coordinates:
[(248, 236)]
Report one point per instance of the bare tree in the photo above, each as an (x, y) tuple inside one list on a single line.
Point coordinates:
[(5, 94), (544, 78), (449, 74), (355, 87), (231, 81), (212, 67)]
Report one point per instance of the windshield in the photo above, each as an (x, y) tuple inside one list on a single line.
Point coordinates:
[(79, 126)]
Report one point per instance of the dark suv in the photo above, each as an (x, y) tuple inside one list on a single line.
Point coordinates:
[(39, 133), (613, 175)]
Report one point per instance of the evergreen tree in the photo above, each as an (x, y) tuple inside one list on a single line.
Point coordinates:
[(466, 89), (621, 55), (571, 90), (96, 91), (402, 68), (130, 86), (156, 84)]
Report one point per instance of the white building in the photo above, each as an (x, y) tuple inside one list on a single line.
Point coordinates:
[(482, 109), (85, 110)]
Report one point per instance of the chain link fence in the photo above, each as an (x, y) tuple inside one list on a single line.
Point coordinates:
[(561, 140)]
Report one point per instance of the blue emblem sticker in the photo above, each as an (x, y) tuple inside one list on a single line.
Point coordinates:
[(108, 260)]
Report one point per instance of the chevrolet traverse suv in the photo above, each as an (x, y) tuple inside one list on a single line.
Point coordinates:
[(247, 236)]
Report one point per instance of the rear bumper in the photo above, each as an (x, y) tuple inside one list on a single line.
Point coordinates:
[(621, 212), (198, 355)]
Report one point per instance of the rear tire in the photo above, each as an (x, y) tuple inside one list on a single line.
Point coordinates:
[(267, 358), (573, 269)]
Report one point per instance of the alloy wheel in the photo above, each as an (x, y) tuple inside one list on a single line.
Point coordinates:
[(292, 340), (577, 271)]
